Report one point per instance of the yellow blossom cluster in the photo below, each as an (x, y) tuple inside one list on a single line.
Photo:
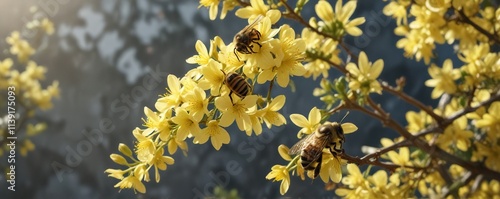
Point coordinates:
[(23, 78), (426, 23), (435, 150), (203, 103)]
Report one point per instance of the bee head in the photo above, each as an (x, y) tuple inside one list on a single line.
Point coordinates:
[(329, 128)]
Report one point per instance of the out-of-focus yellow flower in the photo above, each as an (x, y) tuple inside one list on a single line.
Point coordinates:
[(456, 134), (402, 158), (131, 182), (236, 110), (19, 47), (47, 26), (490, 121), (489, 153), (227, 5), (26, 147), (443, 80), (270, 113), (280, 173), (5, 66), (363, 77), (308, 125), (217, 135), (397, 9), (173, 98), (417, 121), (213, 7), (355, 183), (115, 173), (188, 125)]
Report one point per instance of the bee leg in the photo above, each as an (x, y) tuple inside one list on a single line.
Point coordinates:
[(237, 57), (318, 167), (230, 97)]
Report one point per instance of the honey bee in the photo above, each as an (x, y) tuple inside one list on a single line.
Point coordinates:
[(237, 84), (328, 135), (246, 37)]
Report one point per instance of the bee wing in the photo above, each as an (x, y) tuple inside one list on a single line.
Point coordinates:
[(297, 148), (250, 26)]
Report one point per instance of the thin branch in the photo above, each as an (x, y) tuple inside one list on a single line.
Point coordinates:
[(385, 150), (411, 101)]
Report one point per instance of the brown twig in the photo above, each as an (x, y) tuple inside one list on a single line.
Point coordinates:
[(411, 101), (434, 152), (243, 3)]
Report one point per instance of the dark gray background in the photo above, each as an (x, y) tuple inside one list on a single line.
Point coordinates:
[(102, 52)]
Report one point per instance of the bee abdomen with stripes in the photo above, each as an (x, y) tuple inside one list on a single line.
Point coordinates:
[(238, 85)]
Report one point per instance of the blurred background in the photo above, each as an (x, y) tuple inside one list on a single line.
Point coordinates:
[(111, 59)]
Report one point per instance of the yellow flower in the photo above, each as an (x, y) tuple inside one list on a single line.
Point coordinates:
[(115, 173), (160, 162), (270, 113), (456, 134), (47, 26), (355, 183), (19, 47), (196, 102), (173, 98), (227, 5), (236, 110), (5, 66), (417, 121), (217, 135), (203, 55), (155, 122), (213, 4), (317, 45), (188, 125), (255, 119), (145, 148), (491, 121), (364, 78), (397, 9), (213, 77), (283, 151), (293, 50), (330, 168), (402, 158), (443, 80), (308, 125), (335, 23), (280, 173), (131, 182), (173, 144), (270, 53), (256, 8)]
